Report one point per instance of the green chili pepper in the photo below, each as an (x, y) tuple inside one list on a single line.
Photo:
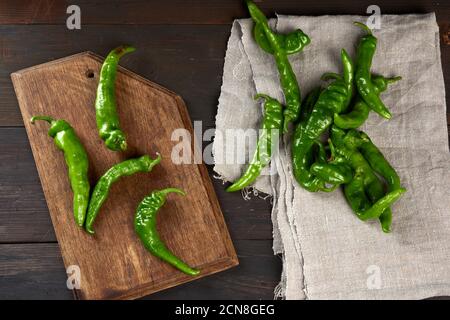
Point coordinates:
[(333, 99), (360, 112), (291, 43), (363, 193), (287, 77), (317, 153), (373, 187), (379, 163), (145, 227), (271, 128), (364, 84), (375, 192), (101, 189), (382, 167), (77, 163), (355, 118), (381, 83), (105, 102), (354, 193), (344, 81)]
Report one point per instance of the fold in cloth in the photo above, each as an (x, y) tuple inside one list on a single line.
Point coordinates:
[(327, 252)]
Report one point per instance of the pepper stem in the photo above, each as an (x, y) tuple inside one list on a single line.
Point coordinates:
[(124, 49), (330, 75), (44, 118), (363, 26), (393, 79), (172, 190), (262, 95)]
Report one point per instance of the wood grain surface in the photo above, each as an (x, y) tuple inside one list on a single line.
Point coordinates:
[(197, 11), (181, 45), (35, 271), (113, 263)]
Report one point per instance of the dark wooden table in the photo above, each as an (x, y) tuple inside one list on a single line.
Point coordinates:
[(181, 46)]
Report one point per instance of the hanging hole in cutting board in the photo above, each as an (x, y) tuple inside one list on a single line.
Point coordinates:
[(89, 73)]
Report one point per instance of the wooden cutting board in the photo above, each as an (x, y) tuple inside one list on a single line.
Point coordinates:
[(113, 264)]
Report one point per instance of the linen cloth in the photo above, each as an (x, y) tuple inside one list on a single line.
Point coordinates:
[(327, 252)]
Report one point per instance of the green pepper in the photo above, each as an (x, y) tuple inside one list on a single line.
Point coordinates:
[(364, 193), (291, 43), (354, 193), (333, 99), (317, 153), (278, 48), (379, 163), (105, 102), (77, 163), (355, 118), (101, 189), (145, 227), (360, 112), (375, 192), (383, 168), (364, 84), (324, 176), (271, 127)]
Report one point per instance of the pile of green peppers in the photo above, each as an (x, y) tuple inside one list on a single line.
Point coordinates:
[(348, 157)]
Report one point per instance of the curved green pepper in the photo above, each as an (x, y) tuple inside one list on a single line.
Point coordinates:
[(291, 43), (378, 162), (271, 126), (365, 192), (382, 167), (105, 102), (361, 205), (333, 99), (355, 118), (366, 88), (77, 163), (287, 76), (101, 189), (145, 227), (375, 192), (360, 112), (316, 158)]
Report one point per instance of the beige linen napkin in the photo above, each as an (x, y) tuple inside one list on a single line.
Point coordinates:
[(327, 252)]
